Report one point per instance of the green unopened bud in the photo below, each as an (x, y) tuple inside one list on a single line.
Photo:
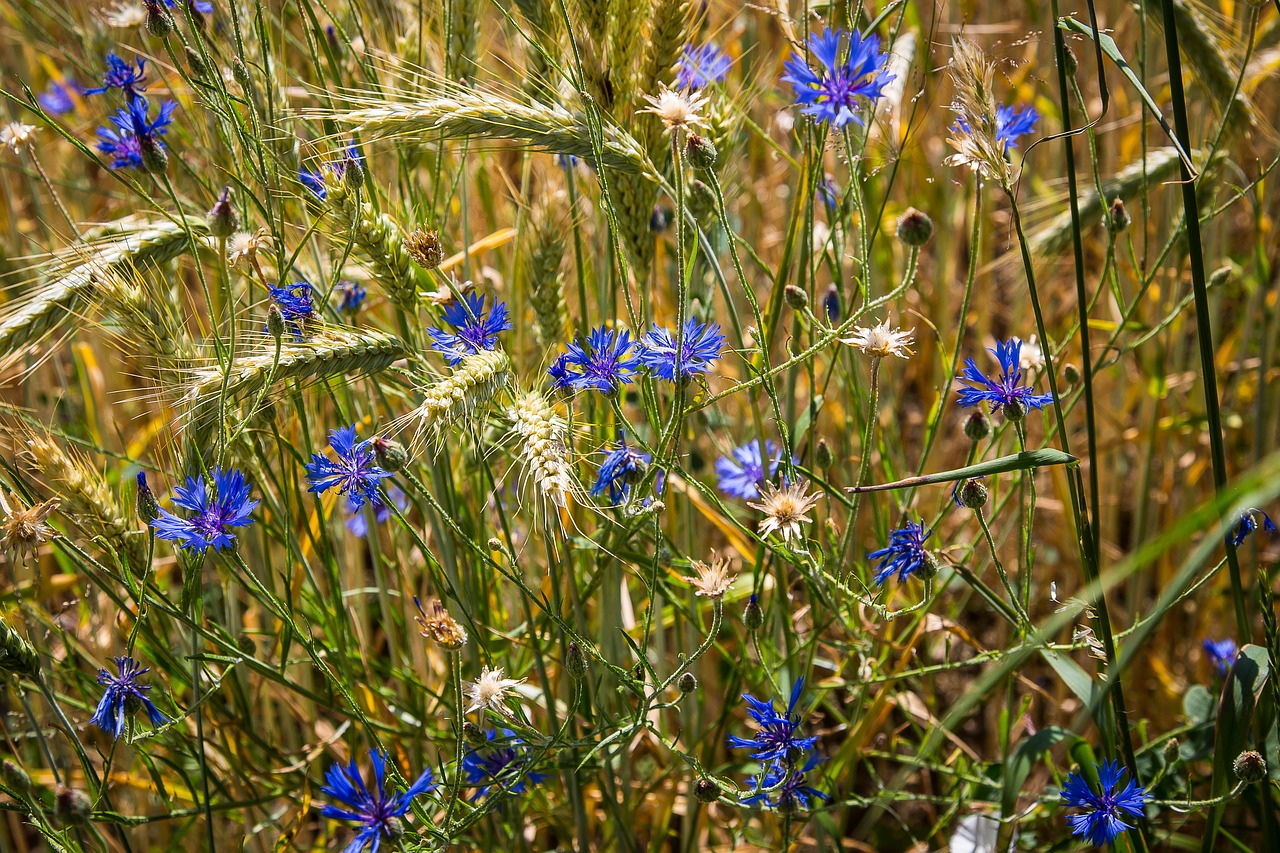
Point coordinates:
[(154, 158), (159, 24), (914, 228), (1249, 767), (972, 494), (222, 218), (796, 298), (701, 152), (1071, 374), (1072, 63), (246, 645), (196, 63), (148, 507), (977, 426), (575, 661), (1219, 277), (473, 734), (930, 565), (275, 321), (494, 543), (71, 806), (240, 72), (353, 173), (390, 454), (687, 683), (1014, 410), (1172, 750), (1118, 218), (15, 777), (706, 791), (394, 828), (752, 615), (822, 454)]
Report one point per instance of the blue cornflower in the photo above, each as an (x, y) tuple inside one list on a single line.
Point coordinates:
[(359, 525), (1006, 390), (605, 364), (57, 98), (778, 737), (1101, 823), (829, 193), (831, 93), (377, 814), (1222, 653), (831, 303), (660, 218), (568, 162), (699, 67), (621, 467), (351, 295), (474, 328), (354, 474), (790, 791), (314, 181), (561, 376), (121, 75), (742, 471), (905, 553), (207, 527), (296, 306), (1011, 124), (500, 766), (124, 695), (202, 6), (1248, 522), (699, 346), (134, 133)]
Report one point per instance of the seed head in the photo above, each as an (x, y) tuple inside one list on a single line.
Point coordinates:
[(784, 509), (16, 136), (435, 624), (676, 109), (424, 247), (23, 531), (882, 340), (711, 579), (490, 691)]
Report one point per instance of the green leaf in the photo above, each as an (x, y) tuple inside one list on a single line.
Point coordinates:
[(1016, 462), (1240, 695), (1024, 757)]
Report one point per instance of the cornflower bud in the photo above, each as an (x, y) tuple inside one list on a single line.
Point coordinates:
[(914, 228)]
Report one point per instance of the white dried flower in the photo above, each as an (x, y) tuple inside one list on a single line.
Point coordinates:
[(490, 691), (711, 579), (881, 340), (23, 531), (125, 15), (1032, 357), (15, 135), (243, 246), (676, 108), (784, 509)]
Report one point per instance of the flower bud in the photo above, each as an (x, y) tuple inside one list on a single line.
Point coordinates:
[(159, 24), (222, 218), (154, 158), (1118, 218), (1072, 63), (576, 662), (196, 63), (796, 298), (930, 566), (687, 683), (831, 303), (914, 228), (148, 507), (1071, 374), (706, 791), (972, 493), (1014, 410), (701, 152), (752, 615), (637, 672), (494, 543), (822, 455), (246, 645), (394, 828), (275, 322), (977, 426), (659, 219), (15, 777), (240, 72), (1219, 277), (390, 454), (71, 806), (1249, 767), (424, 247), (353, 172), (1172, 750)]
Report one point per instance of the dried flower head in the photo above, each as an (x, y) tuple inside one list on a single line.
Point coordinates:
[(124, 15), (424, 247), (711, 579), (676, 109), (23, 531), (490, 691), (784, 509), (438, 626), (881, 340), (15, 135), (244, 247)]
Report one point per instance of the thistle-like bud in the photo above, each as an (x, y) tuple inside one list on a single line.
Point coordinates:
[(246, 645), (575, 661), (222, 218), (473, 734), (424, 248), (796, 298), (275, 322), (148, 507), (494, 543), (71, 806), (1118, 218), (394, 828), (353, 172), (196, 63), (752, 615), (831, 303), (706, 791), (436, 625), (914, 228), (1014, 410), (159, 24), (1249, 767), (1172, 750), (1071, 374), (15, 777), (240, 72), (1219, 277), (687, 683), (1072, 62), (972, 494), (701, 152), (931, 564), (390, 454), (154, 158), (977, 426), (822, 455)]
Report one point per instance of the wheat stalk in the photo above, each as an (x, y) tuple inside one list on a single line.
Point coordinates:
[(17, 657), (460, 396), (541, 434), (546, 286)]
